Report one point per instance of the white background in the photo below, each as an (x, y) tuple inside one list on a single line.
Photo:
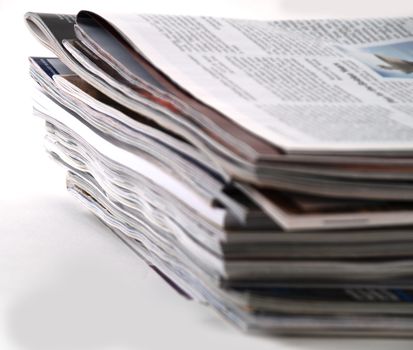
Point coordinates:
[(65, 281)]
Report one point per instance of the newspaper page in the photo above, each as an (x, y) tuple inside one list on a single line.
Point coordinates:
[(305, 86)]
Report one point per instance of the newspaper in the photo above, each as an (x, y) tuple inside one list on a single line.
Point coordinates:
[(305, 86), (262, 168)]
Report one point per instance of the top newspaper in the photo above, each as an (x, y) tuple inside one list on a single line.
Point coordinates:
[(304, 86)]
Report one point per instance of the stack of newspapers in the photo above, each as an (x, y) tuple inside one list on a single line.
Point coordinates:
[(264, 168)]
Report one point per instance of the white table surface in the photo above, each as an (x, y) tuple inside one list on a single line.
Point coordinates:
[(65, 281)]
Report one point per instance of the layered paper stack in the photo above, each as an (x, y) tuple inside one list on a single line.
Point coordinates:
[(262, 168)]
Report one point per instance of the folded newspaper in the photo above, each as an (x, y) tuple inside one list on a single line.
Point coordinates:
[(264, 168)]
